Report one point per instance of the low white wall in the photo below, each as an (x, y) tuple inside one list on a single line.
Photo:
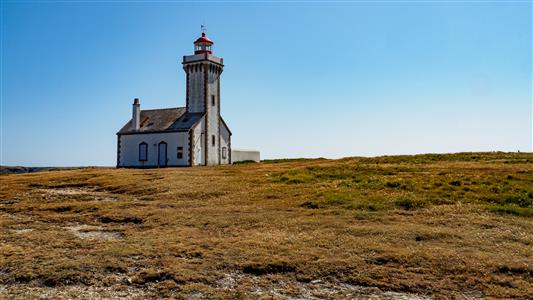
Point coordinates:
[(225, 146), (198, 144), (242, 155), (129, 149)]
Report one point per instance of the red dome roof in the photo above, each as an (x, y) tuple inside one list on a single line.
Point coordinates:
[(203, 39)]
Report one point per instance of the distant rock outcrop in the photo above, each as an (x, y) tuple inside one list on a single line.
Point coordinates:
[(21, 170)]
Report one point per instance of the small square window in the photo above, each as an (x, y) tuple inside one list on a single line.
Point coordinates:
[(180, 155), (180, 148)]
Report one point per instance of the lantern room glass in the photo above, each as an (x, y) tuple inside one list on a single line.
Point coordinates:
[(202, 47)]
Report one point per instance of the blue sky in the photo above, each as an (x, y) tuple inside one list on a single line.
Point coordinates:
[(301, 79)]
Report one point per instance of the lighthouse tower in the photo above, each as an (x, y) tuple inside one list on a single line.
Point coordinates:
[(203, 71)]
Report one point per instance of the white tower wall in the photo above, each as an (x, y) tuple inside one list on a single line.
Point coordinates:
[(203, 96)]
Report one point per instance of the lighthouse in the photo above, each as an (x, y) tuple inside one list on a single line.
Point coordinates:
[(194, 135), (203, 70)]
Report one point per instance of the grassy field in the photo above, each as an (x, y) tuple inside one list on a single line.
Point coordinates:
[(396, 227)]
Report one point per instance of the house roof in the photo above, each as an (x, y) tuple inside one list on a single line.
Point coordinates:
[(157, 120), (225, 125), (165, 119), (186, 121)]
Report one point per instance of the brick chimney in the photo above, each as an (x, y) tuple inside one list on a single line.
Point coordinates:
[(136, 118)]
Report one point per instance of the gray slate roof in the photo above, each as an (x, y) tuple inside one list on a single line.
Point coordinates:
[(166, 119), (186, 121)]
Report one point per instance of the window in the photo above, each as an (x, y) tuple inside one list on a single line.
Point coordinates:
[(180, 152), (224, 153), (213, 140), (213, 100), (143, 151)]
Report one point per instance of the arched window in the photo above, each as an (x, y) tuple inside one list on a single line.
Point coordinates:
[(143, 151), (224, 153)]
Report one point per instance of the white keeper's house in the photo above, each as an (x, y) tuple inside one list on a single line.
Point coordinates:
[(182, 136)]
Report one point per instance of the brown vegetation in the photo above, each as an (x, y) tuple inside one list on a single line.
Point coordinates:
[(457, 225)]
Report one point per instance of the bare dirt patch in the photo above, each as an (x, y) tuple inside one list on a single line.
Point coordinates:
[(88, 232), (22, 291), (85, 192), (261, 287), (22, 231)]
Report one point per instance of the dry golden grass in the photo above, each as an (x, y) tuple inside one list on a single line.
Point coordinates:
[(457, 225)]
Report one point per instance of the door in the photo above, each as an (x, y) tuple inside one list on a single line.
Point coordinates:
[(162, 154)]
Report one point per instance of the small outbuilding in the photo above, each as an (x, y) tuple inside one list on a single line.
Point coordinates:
[(245, 155)]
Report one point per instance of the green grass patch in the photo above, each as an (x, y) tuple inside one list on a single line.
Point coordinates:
[(511, 210), (295, 177), (349, 200), (289, 160), (414, 182), (524, 199)]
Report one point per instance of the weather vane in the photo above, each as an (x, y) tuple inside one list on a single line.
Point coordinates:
[(202, 27)]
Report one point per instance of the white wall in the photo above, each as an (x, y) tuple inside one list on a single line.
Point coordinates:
[(241, 155), (194, 66), (224, 143), (213, 116), (129, 149), (196, 88), (198, 144)]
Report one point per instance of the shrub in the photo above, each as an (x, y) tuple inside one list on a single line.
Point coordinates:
[(392, 184), (409, 204), (369, 206), (244, 162), (309, 204), (268, 268), (120, 219), (522, 201)]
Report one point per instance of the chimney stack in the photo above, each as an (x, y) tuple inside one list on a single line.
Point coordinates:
[(136, 119)]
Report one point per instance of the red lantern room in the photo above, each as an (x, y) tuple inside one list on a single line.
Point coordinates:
[(203, 45)]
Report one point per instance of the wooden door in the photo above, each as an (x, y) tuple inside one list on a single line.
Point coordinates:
[(162, 154)]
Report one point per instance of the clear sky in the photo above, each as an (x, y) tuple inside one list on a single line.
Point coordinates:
[(301, 79)]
